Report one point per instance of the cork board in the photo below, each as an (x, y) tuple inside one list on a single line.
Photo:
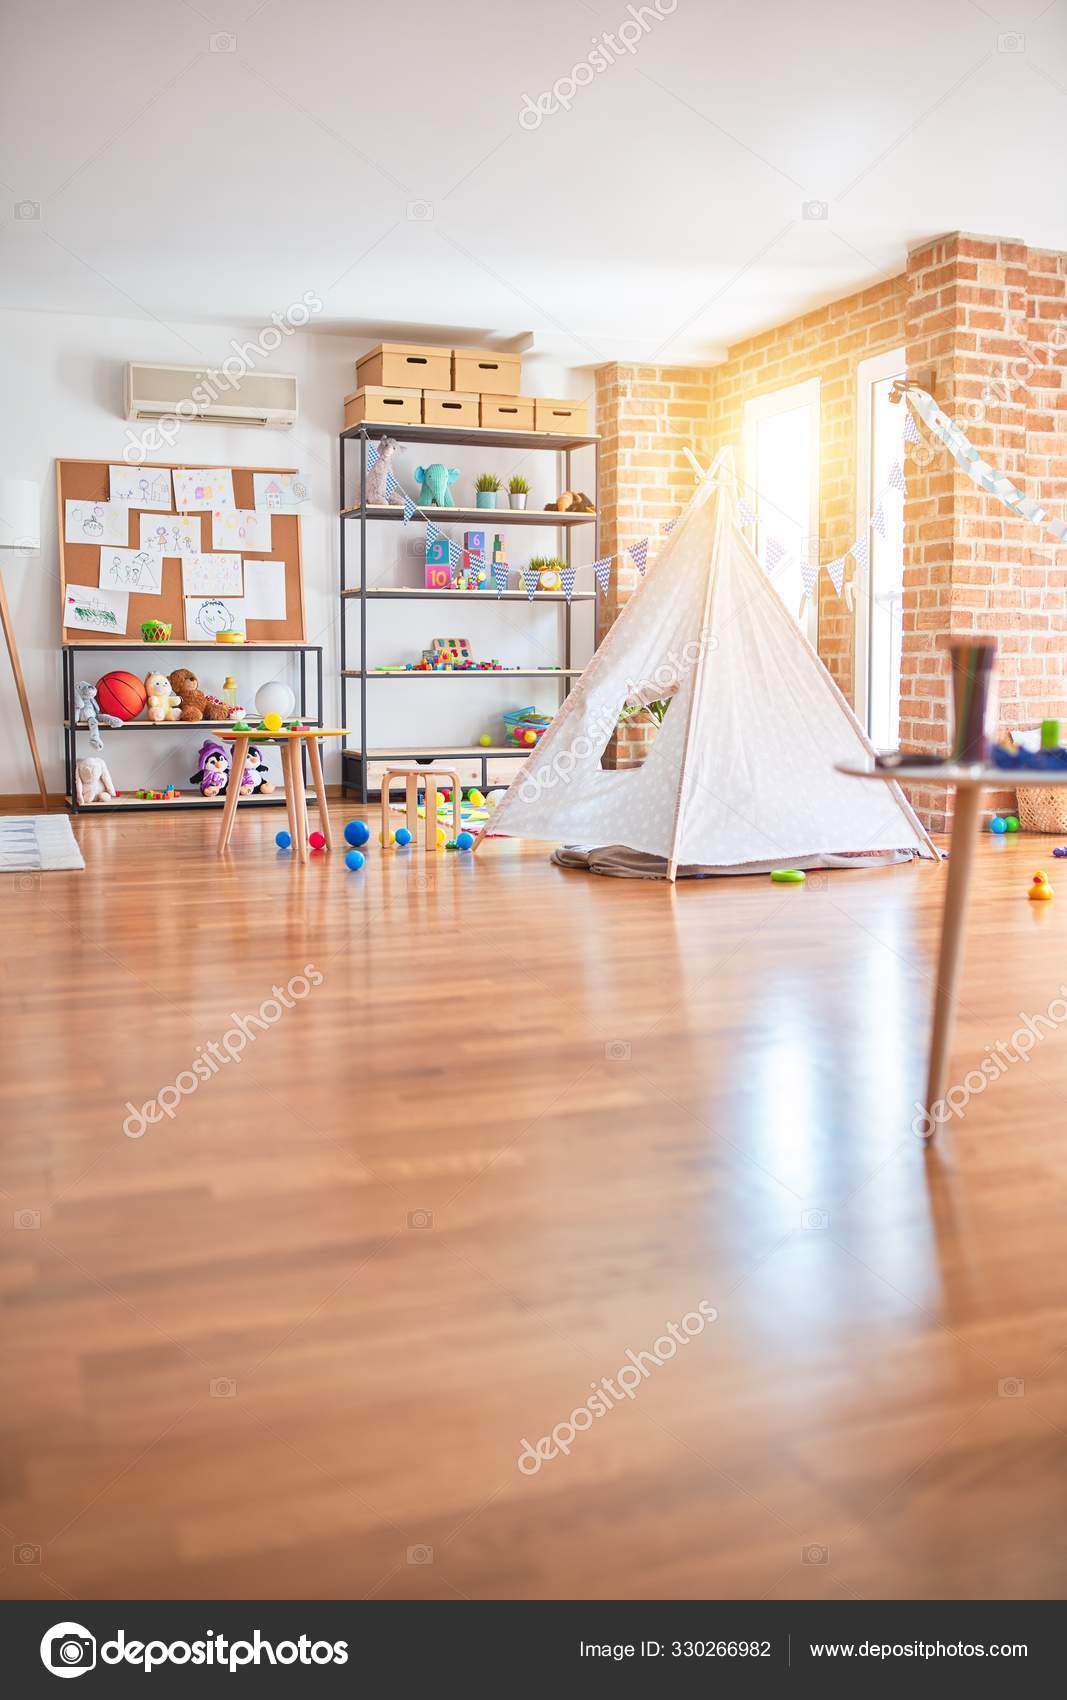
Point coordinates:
[(79, 563)]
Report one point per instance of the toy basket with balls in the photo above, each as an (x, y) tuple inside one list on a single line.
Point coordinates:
[(526, 727)]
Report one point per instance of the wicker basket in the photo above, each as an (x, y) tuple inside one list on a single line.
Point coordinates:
[(1042, 808)]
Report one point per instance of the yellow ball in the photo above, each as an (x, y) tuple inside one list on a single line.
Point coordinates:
[(485, 740), (390, 840), (476, 799), (442, 838), (529, 737), (272, 722)]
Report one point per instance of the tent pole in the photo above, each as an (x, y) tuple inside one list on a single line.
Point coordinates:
[(672, 859)]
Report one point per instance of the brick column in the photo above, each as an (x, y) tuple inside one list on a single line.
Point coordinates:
[(646, 415), (985, 315)]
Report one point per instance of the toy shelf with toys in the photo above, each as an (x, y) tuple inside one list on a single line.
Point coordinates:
[(124, 705), (453, 572)]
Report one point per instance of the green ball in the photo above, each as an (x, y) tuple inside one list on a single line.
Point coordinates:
[(1012, 823)]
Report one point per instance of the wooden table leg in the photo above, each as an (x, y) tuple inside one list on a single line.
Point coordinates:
[(429, 834), (411, 797), (300, 808), (965, 816), (315, 758), (290, 804), (238, 752)]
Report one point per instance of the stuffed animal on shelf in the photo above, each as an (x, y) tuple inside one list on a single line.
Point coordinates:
[(571, 502), (255, 764), (186, 686), (434, 481), (92, 781), (377, 488), (162, 702), (88, 709), (213, 769)]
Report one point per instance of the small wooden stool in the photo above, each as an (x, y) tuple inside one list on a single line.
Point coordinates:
[(428, 777)]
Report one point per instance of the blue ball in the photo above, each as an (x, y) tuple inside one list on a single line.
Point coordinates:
[(357, 832), (1060, 851), (282, 840), (998, 824), (464, 840), (355, 859), (403, 836)]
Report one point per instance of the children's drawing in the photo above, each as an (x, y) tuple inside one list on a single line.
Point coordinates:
[(97, 522), (207, 487), (211, 575), (206, 615), (171, 534), (131, 569), (87, 608), (281, 492), (140, 486), (244, 529), (265, 590)]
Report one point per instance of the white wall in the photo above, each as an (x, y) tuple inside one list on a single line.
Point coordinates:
[(63, 399)]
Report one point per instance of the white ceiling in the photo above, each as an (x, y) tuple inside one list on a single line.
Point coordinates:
[(661, 217)]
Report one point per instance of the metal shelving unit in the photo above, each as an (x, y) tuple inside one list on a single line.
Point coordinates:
[(354, 762), (73, 729)]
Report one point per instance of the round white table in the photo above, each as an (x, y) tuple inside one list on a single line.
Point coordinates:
[(968, 781)]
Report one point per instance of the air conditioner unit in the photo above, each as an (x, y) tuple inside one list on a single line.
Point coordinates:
[(211, 395)]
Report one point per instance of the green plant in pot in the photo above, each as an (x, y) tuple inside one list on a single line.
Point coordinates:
[(485, 490), (549, 570), (518, 491)]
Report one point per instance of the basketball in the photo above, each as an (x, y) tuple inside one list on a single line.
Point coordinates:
[(121, 694)]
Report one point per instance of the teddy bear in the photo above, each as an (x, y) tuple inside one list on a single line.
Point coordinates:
[(191, 697), (162, 702), (377, 488)]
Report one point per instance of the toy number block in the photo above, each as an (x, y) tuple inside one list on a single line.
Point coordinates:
[(438, 578)]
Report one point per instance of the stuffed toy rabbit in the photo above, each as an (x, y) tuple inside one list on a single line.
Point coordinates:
[(92, 781)]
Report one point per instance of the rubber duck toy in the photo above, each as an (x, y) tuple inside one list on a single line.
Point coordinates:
[(1040, 890)]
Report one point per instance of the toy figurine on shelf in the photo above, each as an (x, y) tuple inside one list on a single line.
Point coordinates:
[(92, 781), (87, 708), (255, 764), (377, 488), (435, 483), (213, 769)]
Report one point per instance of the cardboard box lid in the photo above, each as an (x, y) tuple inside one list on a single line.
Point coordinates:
[(422, 349), (500, 356), (387, 389)]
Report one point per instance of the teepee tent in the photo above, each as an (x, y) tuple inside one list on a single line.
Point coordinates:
[(741, 775)]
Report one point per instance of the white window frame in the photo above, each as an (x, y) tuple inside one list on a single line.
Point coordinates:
[(891, 363), (808, 393)]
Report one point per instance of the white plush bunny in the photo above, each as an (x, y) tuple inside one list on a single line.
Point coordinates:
[(92, 781)]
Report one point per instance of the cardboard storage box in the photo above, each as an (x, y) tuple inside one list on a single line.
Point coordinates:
[(449, 407), (568, 417), (407, 365), (508, 412), (376, 405), (485, 370)]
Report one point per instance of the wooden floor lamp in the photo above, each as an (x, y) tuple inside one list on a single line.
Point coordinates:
[(20, 528)]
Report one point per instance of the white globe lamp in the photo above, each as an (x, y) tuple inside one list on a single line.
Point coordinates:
[(275, 698)]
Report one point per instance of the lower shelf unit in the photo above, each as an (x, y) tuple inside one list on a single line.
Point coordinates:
[(476, 764)]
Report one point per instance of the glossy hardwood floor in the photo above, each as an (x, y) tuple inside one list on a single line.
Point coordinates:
[(290, 1341)]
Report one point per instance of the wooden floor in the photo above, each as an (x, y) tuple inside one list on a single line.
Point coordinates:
[(290, 1342)]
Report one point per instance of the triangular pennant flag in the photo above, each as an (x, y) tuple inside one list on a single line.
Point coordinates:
[(669, 527), (433, 531), (602, 573), (746, 514), (896, 475), (860, 554), (809, 573), (912, 434), (638, 553), (530, 577), (775, 552), (455, 557), (390, 484), (836, 570), (878, 520), (567, 575), (410, 510), (499, 575), (372, 456)]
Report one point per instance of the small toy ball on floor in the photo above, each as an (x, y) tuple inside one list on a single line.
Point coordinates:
[(486, 741), (282, 840), (464, 840), (1060, 850), (387, 839), (476, 799), (998, 824), (1012, 823), (788, 876), (317, 840), (442, 837), (355, 860), (357, 832), (403, 836), (1040, 890)]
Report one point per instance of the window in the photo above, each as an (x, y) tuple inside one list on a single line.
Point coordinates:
[(782, 486), (880, 589)]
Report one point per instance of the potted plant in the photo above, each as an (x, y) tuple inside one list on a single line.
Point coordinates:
[(486, 486), (550, 569), (518, 490)]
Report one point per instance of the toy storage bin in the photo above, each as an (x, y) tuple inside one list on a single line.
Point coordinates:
[(406, 365), (485, 370), (508, 412), (567, 416), (377, 405), (1042, 808), (449, 407)]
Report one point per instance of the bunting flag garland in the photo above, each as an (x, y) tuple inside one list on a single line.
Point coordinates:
[(748, 515), (391, 485), (978, 470), (530, 578), (638, 553), (878, 520), (567, 575), (836, 570), (433, 531), (602, 573), (669, 527), (410, 510), (896, 474), (775, 553), (912, 434), (372, 456), (860, 553), (499, 575), (455, 558), (809, 573)]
